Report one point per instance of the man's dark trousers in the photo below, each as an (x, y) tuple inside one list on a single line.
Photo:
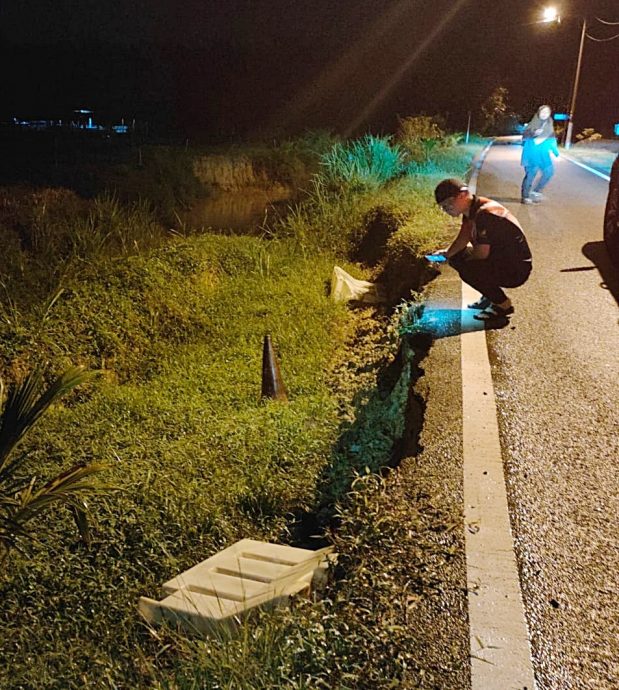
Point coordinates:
[(489, 275)]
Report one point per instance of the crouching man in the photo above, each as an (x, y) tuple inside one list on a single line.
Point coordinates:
[(490, 252)]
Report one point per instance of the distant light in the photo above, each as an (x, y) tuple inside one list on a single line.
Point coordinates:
[(550, 14), (617, 129), (560, 116)]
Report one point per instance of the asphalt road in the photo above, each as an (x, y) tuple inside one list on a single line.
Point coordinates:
[(556, 375)]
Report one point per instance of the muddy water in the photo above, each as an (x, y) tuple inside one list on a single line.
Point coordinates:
[(244, 211)]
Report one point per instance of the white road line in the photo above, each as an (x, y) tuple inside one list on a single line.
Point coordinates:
[(500, 654), (499, 643), (586, 167)]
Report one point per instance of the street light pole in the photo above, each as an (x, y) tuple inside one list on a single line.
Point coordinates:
[(570, 123)]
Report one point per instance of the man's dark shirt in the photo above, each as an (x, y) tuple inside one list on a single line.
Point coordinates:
[(493, 224)]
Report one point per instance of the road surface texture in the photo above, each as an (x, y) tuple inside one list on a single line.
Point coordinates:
[(556, 375)]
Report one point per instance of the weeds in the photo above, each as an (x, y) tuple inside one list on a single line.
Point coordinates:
[(363, 632)]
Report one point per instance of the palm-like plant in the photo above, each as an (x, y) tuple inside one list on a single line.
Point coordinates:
[(21, 499)]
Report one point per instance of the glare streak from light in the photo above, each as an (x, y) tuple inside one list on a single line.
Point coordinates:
[(404, 67), (347, 65)]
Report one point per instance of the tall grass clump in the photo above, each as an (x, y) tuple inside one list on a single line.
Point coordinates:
[(363, 163), (352, 177), (50, 236), (53, 225), (162, 177), (324, 220)]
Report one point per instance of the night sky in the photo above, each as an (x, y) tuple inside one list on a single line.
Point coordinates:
[(232, 68)]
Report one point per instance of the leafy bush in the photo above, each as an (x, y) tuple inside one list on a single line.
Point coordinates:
[(496, 112), (421, 135), (417, 128), (588, 134)]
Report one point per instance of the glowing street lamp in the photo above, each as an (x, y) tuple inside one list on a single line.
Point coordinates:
[(550, 14)]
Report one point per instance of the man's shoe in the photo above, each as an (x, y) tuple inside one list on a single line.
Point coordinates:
[(536, 197), (482, 303), (526, 200), (493, 312)]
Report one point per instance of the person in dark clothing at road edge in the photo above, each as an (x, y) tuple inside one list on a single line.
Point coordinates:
[(498, 255)]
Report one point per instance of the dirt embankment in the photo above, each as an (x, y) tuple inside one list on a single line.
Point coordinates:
[(226, 173)]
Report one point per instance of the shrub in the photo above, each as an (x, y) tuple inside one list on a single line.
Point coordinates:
[(418, 128), (588, 134), (420, 135)]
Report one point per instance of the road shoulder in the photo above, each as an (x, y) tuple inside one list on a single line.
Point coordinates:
[(436, 473)]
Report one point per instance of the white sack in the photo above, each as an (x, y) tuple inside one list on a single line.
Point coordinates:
[(345, 288)]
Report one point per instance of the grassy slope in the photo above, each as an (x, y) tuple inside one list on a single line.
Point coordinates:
[(197, 459)]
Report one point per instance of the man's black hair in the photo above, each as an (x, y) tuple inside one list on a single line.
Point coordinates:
[(449, 188)]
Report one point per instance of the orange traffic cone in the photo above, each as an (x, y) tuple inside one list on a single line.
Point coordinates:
[(272, 384)]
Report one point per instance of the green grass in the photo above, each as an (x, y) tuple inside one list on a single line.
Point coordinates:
[(158, 176), (290, 162), (196, 459), (361, 633)]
